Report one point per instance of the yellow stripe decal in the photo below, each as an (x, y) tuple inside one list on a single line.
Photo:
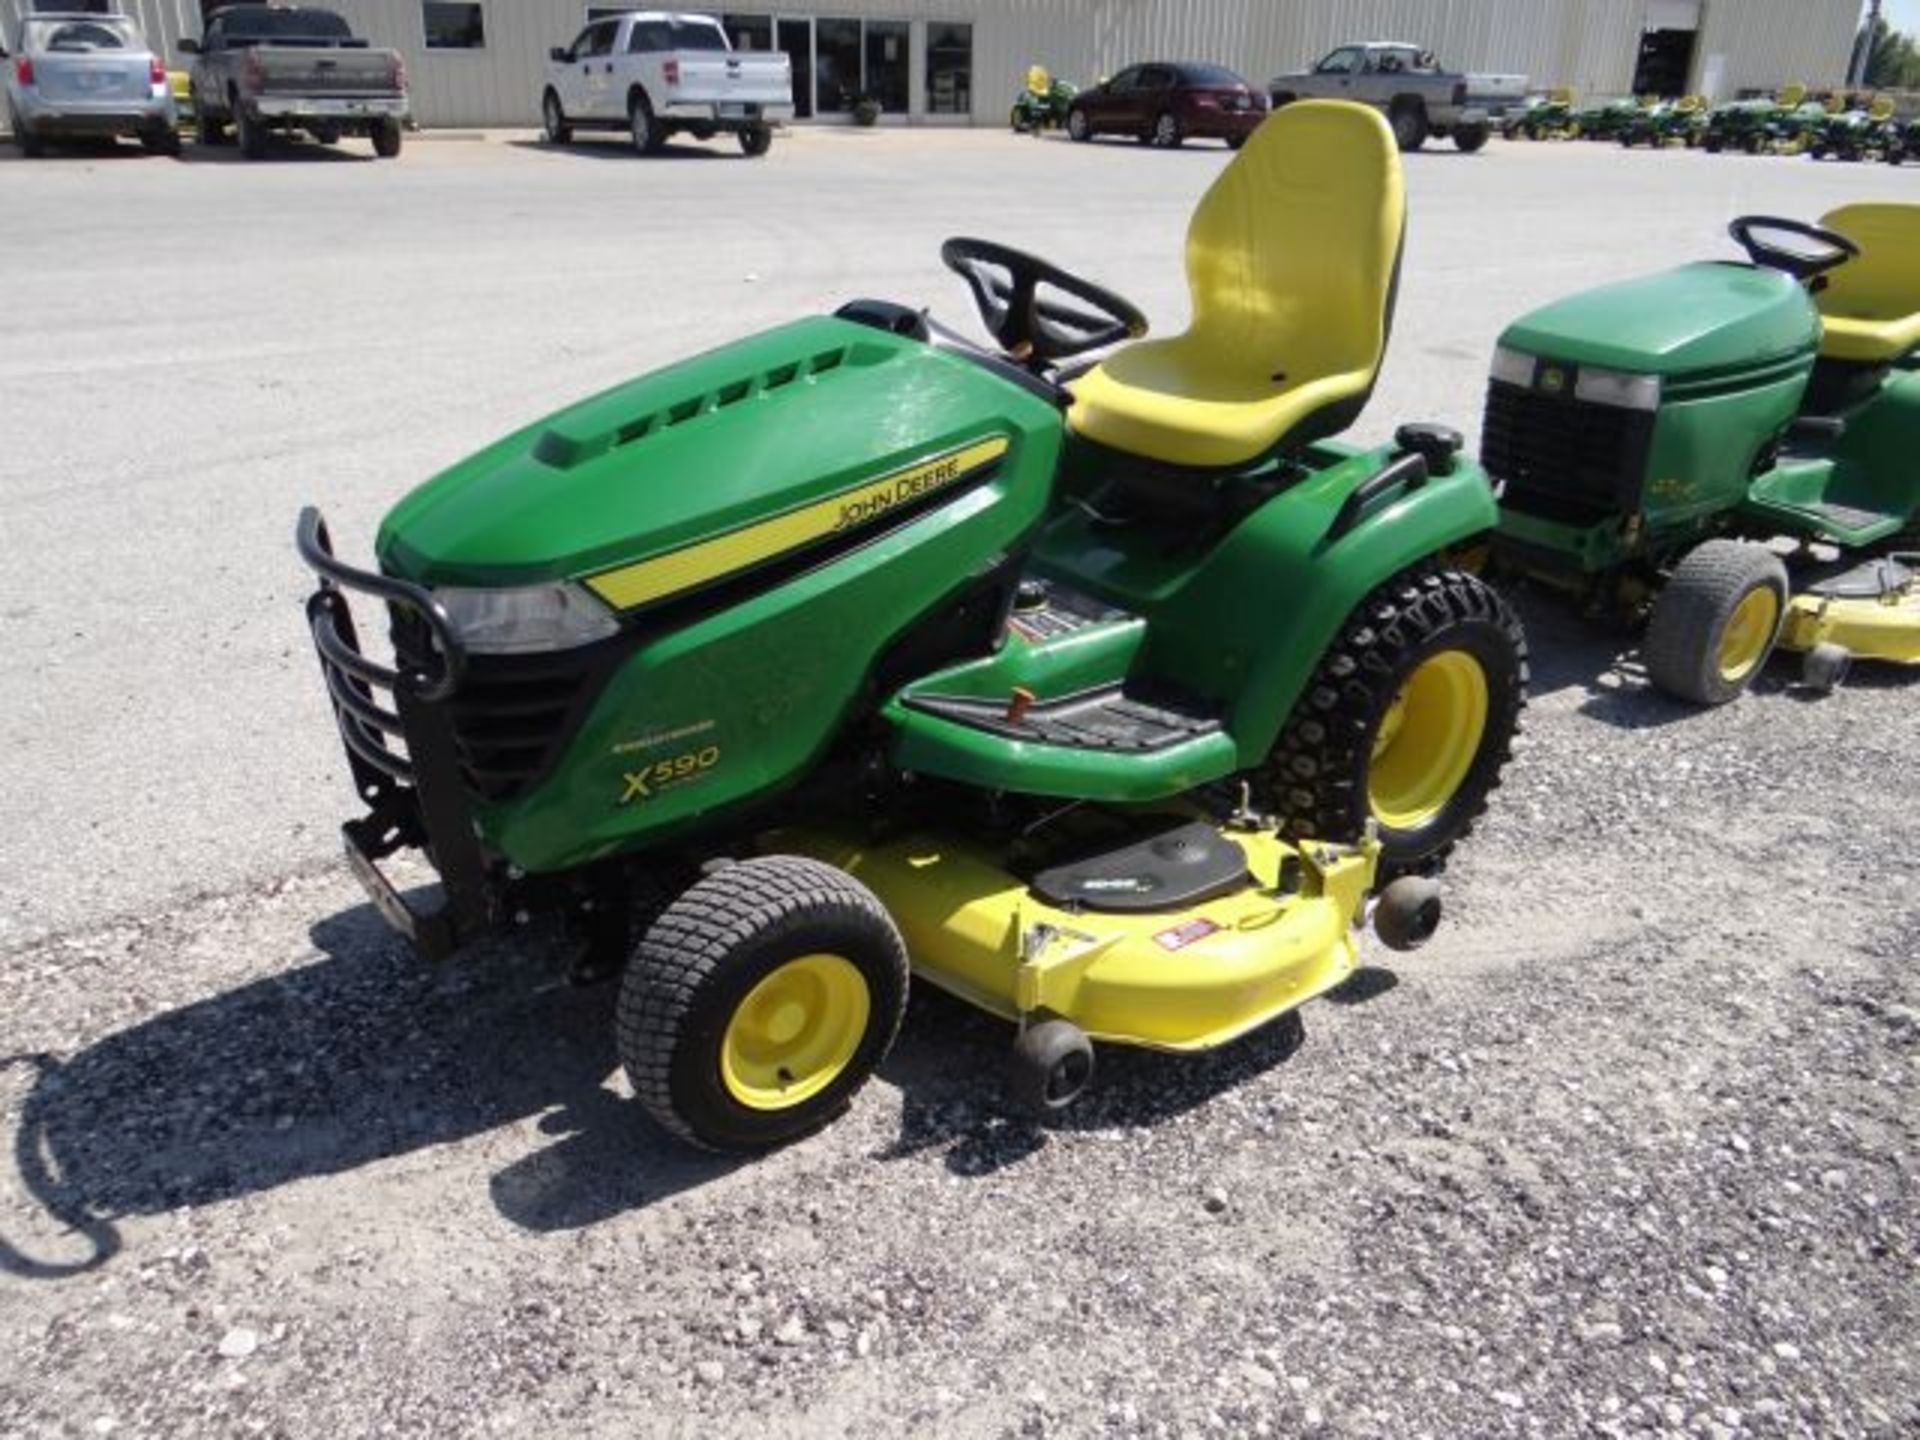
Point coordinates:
[(709, 560)]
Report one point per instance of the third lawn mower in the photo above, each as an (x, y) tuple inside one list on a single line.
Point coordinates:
[(1658, 439), (1101, 695)]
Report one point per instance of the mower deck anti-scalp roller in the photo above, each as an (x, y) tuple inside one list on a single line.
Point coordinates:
[(1104, 692)]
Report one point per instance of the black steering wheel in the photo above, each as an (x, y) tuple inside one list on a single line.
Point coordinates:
[(1835, 249), (1006, 286)]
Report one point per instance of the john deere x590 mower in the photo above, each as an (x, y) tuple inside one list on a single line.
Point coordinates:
[(1101, 696), (1653, 437)]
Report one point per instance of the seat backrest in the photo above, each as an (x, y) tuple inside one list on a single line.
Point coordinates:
[(1881, 110), (1561, 95), (1790, 96), (1293, 254), (1038, 80), (1883, 281)]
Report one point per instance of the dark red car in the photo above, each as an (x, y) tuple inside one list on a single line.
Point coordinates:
[(1165, 104)]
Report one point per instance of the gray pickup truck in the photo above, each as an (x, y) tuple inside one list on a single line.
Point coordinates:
[(1406, 82), (262, 67)]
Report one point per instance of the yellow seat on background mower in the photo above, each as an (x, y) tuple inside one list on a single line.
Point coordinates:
[(1292, 261), (1871, 305), (1880, 111)]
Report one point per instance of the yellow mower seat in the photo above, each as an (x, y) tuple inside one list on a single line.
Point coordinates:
[(1871, 305), (1292, 258)]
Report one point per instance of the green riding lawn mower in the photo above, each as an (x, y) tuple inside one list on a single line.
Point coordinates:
[(1669, 122), (1660, 442), (1903, 141), (1547, 116), (1042, 103), (1605, 119), (1859, 133), (1107, 696), (1749, 125)]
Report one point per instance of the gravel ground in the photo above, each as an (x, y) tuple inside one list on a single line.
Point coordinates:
[(1630, 1147)]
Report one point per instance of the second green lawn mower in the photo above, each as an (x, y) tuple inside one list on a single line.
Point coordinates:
[(1657, 440), (1106, 696)]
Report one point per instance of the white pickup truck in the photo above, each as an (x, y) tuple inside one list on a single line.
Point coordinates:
[(654, 73)]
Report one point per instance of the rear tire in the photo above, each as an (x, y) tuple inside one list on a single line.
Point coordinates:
[(162, 141), (756, 140), (23, 137), (1077, 126), (387, 138), (759, 1002), (1166, 133), (647, 136), (1387, 682), (553, 120), (1711, 632), (1468, 139)]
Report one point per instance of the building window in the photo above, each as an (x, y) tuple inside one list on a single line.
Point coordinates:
[(454, 27), (749, 32), (949, 68), (836, 65), (887, 64)]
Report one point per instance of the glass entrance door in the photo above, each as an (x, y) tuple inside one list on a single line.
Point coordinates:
[(796, 38)]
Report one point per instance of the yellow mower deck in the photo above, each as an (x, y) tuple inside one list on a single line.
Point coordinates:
[(1873, 627), (1186, 979)]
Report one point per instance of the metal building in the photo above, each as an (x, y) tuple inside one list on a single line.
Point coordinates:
[(960, 61)]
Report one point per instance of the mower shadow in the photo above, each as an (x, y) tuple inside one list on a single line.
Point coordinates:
[(362, 1055), (950, 1057), (1566, 652)]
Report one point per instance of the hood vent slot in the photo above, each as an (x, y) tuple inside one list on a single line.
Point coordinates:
[(732, 393)]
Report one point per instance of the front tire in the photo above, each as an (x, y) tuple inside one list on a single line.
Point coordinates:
[(251, 134), (1408, 721), (206, 129), (759, 1002), (1409, 127), (553, 120), (1716, 621), (756, 140)]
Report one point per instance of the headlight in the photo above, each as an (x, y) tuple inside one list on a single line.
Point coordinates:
[(1618, 388), (527, 619), (1515, 367)]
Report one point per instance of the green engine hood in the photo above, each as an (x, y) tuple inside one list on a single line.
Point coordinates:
[(1699, 319), (753, 429)]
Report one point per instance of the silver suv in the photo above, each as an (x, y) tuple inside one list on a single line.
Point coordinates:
[(86, 76)]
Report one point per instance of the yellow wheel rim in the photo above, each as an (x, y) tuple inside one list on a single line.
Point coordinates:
[(795, 1032), (1427, 740), (1743, 644)]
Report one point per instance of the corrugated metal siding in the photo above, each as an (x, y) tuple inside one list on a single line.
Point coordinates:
[(1591, 45)]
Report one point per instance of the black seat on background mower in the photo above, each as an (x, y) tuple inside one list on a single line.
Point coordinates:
[(1292, 261)]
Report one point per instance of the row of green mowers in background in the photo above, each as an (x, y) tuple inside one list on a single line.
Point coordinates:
[(1789, 123)]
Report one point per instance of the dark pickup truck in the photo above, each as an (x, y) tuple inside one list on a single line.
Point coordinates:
[(263, 67)]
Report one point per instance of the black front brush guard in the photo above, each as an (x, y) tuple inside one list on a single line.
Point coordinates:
[(404, 760)]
